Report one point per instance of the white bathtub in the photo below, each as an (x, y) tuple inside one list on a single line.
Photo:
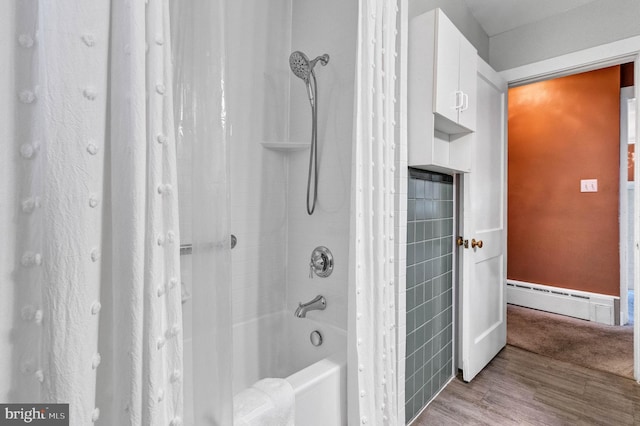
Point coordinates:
[(278, 345)]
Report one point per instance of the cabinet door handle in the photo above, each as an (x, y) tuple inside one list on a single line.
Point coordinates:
[(465, 102), (459, 99)]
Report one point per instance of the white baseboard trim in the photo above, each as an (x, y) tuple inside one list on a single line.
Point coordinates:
[(596, 307)]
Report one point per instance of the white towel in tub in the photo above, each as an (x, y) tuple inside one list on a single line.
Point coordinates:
[(269, 402)]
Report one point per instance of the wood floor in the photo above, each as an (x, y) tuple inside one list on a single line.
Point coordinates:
[(523, 388)]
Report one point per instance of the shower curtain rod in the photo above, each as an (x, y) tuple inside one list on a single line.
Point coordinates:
[(186, 249)]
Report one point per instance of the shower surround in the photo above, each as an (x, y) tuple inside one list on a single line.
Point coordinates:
[(267, 103)]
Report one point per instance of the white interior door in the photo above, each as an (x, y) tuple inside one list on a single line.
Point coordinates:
[(483, 292)]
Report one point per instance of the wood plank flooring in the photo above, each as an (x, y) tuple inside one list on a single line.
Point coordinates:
[(523, 388)]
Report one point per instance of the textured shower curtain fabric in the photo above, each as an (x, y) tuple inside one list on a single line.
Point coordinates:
[(372, 227), (97, 279)]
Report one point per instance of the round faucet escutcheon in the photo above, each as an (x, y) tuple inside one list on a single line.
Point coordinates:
[(321, 262), (316, 338)]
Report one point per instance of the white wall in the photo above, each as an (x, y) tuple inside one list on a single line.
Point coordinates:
[(8, 186), (329, 27), (462, 18), (596, 23)]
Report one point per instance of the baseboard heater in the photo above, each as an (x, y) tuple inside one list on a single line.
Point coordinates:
[(596, 307)]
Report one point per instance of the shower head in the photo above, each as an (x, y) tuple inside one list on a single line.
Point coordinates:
[(299, 64), (302, 67)]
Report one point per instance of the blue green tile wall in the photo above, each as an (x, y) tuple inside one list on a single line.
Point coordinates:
[(429, 354)]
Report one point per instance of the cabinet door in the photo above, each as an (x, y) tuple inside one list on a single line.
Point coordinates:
[(468, 84), (447, 96)]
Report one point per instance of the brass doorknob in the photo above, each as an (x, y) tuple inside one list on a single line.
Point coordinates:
[(475, 243), (462, 242)]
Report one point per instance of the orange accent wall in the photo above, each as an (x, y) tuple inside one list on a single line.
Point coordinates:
[(562, 131)]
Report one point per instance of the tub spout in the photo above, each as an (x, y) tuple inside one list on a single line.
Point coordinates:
[(317, 304)]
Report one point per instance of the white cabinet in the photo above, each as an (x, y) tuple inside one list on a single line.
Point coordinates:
[(468, 84), (455, 76), (442, 68)]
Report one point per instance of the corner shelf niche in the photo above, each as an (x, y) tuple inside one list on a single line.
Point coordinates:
[(285, 146)]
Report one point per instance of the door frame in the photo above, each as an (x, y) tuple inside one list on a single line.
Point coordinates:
[(610, 54), (625, 93)]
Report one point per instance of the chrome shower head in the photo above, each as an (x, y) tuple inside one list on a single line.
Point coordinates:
[(299, 64), (303, 68)]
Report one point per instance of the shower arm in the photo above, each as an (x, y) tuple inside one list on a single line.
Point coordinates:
[(324, 60)]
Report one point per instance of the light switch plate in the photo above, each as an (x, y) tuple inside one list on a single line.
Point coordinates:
[(589, 185)]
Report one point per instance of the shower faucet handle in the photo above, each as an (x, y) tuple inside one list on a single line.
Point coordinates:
[(316, 264)]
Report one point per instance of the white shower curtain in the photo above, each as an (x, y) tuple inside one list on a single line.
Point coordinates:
[(372, 313), (96, 282), (200, 84)]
